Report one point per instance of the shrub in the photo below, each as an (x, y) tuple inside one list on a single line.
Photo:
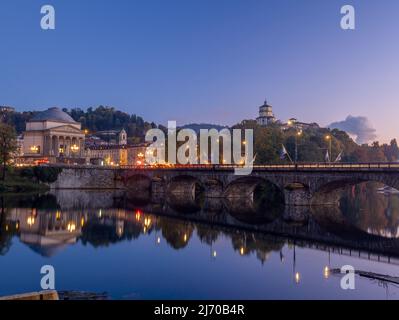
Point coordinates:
[(46, 174)]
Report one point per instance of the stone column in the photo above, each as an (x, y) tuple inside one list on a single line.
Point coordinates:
[(81, 147), (297, 197), (56, 146), (46, 149), (50, 146), (68, 146)]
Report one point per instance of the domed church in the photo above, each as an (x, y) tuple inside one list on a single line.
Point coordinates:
[(266, 115), (51, 134)]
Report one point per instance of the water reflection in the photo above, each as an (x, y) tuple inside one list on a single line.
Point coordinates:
[(364, 227), (49, 223), (371, 210)]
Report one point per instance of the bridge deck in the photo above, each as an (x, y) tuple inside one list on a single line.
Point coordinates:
[(349, 167)]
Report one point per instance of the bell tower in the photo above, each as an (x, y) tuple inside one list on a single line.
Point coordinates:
[(122, 138)]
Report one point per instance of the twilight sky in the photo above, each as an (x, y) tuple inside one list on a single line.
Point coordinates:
[(211, 61)]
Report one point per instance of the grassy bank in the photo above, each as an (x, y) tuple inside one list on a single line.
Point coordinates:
[(28, 180)]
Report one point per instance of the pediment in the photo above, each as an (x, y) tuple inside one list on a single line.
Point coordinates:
[(65, 129)]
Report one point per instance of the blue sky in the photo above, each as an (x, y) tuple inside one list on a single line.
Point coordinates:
[(209, 61)]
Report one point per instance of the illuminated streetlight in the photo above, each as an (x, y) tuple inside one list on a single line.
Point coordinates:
[(297, 277), (326, 272), (74, 148), (329, 139), (298, 134), (71, 227), (30, 221), (34, 149), (147, 222)]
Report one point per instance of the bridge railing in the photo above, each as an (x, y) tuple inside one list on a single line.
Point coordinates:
[(298, 166), (229, 167)]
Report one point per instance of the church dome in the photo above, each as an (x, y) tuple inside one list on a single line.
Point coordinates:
[(53, 114)]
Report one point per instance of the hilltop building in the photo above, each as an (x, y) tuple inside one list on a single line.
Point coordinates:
[(267, 117), (294, 123), (6, 109)]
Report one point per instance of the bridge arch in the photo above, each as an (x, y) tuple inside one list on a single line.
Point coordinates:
[(138, 182), (257, 189), (185, 185), (329, 192)]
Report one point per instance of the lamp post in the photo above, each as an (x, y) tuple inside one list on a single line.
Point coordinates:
[(297, 135), (329, 139)]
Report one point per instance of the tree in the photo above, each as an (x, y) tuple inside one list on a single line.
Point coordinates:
[(8, 145)]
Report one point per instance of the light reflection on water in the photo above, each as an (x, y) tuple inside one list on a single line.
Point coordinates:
[(133, 249)]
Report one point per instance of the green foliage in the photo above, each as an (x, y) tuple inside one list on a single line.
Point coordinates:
[(108, 118), (312, 145), (8, 146), (98, 119), (41, 174), (47, 174)]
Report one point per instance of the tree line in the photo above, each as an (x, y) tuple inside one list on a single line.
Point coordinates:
[(311, 144)]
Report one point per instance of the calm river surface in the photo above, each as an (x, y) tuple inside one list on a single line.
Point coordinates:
[(188, 249)]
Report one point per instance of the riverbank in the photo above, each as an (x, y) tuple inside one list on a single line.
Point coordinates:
[(28, 180), (17, 184)]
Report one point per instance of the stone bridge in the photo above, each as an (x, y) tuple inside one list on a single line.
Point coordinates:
[(301, 184)]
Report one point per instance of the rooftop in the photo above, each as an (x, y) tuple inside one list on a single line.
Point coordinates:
[(53, 114)]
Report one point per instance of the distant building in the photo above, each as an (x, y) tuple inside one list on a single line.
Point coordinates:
[(294, 123), (6, 109), (266, 115), (108, 137), (51, 135), (111, 148), (109, 155)]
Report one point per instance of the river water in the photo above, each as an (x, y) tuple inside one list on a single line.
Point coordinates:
[(134, 248)]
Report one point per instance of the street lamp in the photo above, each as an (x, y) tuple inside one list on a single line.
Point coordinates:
[(74, 148), (326, 272), (298, 134), (329, 139)]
